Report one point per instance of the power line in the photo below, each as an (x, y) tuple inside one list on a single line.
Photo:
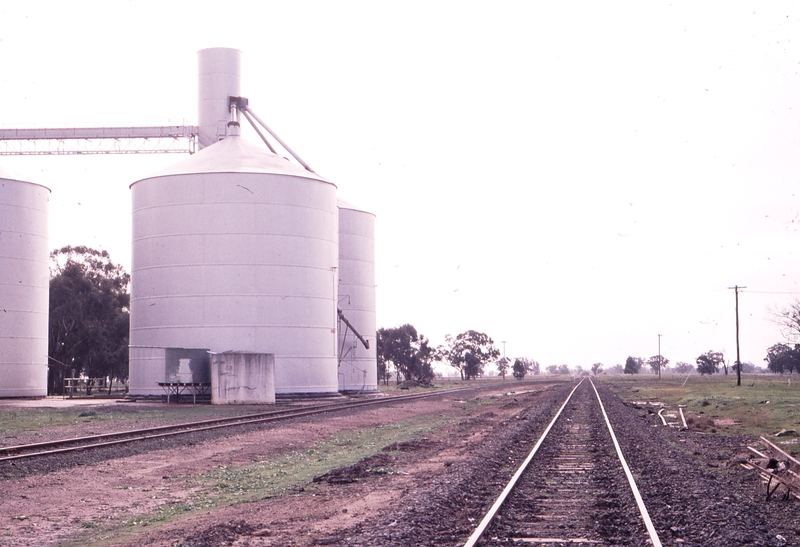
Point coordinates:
[(769, 292)]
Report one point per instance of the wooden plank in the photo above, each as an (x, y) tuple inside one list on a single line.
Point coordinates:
[(757, 453), (781, 452)]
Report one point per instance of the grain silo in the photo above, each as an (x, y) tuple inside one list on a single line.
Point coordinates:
[(24, 287), (357, 328), (236, 249)]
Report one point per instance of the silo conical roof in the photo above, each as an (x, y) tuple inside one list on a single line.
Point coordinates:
[(342, 204), (7, 174), (236, 155)]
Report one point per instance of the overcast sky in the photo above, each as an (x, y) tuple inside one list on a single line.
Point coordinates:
[(571, 177)]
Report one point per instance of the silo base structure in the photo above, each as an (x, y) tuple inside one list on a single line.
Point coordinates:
[(236, 249), (239, 378), (24, 287), (358, 370)]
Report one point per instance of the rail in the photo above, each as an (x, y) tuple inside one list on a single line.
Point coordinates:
[(61, 446), (514, 483)]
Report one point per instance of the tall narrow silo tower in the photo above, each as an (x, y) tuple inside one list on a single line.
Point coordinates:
[(358, 370), (24, 287), (218, 77)]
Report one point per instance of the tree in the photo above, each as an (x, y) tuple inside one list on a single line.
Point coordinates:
[(530, 366), (407, 351), (789, 320), (657, 362), (563, 369), (552, 369), (616, 369), (519, 369), (708, 363), (682, 367), (783, 358), (383, 369), (632, 365), (89, 316), (469, 352), (747, 367), (424, 357), (503, 364), (596, 368)]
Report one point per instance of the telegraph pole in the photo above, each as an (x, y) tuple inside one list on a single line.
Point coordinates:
[(736, 289), (505, 363), (659, 356)]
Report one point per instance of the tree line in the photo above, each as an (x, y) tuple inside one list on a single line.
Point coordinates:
[(705, 363), (410, 356), (782, 357), (89, 325)]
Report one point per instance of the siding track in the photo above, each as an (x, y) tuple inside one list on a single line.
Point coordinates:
[(63, 446)]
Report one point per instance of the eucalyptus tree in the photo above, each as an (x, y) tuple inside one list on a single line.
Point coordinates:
[(407, 351), (658, 363), (89, 316), (469, 352), (708, 362)]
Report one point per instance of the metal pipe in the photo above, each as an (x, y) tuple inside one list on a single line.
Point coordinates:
[(277, 138), (346, 322), (260, 134)]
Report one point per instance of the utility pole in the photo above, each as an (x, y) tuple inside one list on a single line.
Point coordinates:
[(659, 357), (504, 357), (736, 289)]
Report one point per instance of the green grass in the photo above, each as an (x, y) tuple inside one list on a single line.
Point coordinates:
[(763, 404), (126, 416), (269, 478)]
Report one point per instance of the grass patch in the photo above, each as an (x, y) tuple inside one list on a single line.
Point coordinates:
[(274, 477), (126, 416), (763, 404)]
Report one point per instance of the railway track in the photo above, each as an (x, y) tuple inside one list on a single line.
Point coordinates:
[(91, 442), (573, 488)]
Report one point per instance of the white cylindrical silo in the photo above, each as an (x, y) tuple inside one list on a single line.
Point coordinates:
[(219, 77), (357, 365), (236, 249), (24, 287)]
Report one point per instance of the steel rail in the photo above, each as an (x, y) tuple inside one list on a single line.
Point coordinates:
[(124, 437), (75, 440), (490, 515), (478, 532), (639, 502)]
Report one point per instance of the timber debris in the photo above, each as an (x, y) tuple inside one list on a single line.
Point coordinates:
[(776, 467)]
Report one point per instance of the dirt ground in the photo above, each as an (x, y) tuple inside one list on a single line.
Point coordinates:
[(77, 504), (427, 489)]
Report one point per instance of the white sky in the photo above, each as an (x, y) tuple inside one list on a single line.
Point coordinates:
[(571, 177)]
